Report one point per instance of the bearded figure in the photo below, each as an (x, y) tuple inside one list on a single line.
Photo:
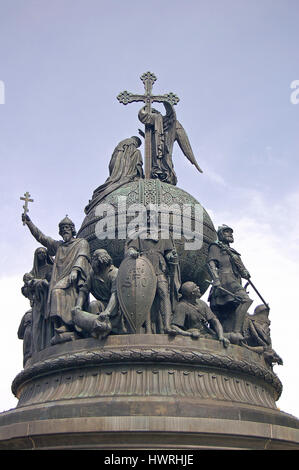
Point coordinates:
[(228, 298), (257, 335), (70, 271)]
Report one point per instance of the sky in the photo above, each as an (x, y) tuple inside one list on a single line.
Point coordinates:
[(231, 62)]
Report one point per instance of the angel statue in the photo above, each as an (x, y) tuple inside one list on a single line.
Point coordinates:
[(165, 131)]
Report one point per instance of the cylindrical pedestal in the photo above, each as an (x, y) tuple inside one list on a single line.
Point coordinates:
[(147, 392)]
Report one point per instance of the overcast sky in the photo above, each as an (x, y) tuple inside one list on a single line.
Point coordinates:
[(62, 64)]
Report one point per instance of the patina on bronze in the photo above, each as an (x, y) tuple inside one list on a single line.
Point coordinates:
[(193, 317), (38, 287), (70, 270), (160, 131), (148, 79), (228, 298), (102, 315), (202, 379), (125, 166), (136, 290)]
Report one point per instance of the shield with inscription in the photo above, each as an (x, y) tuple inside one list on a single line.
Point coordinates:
[(136, 289)]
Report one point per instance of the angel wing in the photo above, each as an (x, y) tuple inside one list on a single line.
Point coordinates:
[(185, 146)]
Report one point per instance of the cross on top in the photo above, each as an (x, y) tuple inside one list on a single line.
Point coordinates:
[(148, 79), (125, 97)]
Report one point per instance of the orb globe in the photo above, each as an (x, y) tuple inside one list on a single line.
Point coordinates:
[(168, 199)]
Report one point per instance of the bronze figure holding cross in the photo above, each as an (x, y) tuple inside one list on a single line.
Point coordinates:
[(160, 131)]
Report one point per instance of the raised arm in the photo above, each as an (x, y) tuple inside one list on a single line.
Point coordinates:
[(48, 242)]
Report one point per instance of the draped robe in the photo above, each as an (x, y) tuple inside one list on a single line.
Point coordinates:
[(125, 166), (42, 330), (165, 131), (69, 256)]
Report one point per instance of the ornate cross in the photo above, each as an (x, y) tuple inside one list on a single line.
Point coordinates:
[(148, 79), (25, 206)]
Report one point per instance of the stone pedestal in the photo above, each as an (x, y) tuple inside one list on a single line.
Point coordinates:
[(147, 392)]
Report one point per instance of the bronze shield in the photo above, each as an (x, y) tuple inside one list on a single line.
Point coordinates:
[(136, 289)]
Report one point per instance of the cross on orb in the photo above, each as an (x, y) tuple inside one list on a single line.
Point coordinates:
[(148, 79)]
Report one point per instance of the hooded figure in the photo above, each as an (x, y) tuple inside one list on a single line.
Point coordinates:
[(125, 166), (41, 328), (42, 264)]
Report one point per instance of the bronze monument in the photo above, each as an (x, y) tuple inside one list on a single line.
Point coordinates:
[(120, 351)]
